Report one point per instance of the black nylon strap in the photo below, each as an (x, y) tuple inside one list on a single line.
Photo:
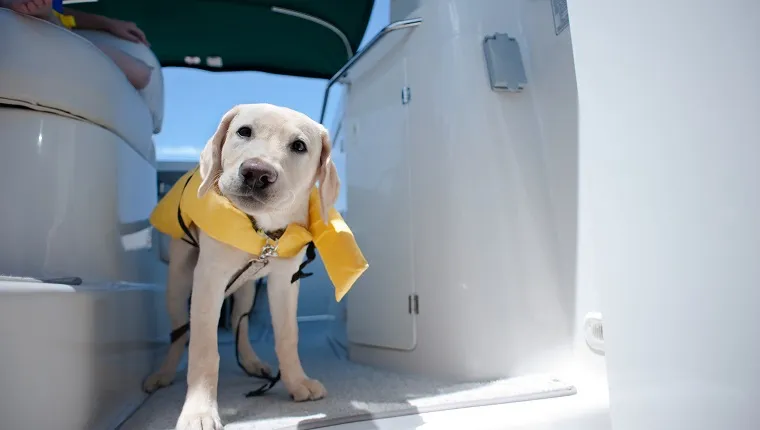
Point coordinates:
[(300, 274), (271, 382), (180, 331), (240, 271), (237, 341), (310, 256), (189, 239)]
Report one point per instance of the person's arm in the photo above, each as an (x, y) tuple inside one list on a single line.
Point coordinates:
[(123, 29), (88, 21)]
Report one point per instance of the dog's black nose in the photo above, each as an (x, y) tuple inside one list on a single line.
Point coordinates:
[(257, 173)]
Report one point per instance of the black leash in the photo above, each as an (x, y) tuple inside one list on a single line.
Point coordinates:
[(180, 331), (271, 380)]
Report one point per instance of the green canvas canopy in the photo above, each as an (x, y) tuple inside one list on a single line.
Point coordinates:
[(309, 38)]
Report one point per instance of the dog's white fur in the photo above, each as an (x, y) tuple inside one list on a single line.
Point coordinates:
[(204, 271)]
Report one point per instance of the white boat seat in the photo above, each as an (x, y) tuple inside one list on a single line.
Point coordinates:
[(49, 68), (153, 94)]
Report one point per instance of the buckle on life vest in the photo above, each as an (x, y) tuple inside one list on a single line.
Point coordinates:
[(268, 251)]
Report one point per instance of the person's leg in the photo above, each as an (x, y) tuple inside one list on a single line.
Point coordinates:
[(38, 8), (137, 72)]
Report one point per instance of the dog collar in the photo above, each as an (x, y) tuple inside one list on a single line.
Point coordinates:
[(274, 235)]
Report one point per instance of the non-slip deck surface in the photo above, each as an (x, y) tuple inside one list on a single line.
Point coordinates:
[(355, 392)]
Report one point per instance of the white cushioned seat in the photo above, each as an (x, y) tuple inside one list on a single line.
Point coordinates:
[(49, 68), (153, 94)]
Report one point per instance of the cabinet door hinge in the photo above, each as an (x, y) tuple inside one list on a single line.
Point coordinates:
[(414, 304), (406, 95)]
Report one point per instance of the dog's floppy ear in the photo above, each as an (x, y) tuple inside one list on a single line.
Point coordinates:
[(211, 156), (327, 175)]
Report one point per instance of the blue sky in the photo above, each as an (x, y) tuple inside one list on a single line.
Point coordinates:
[(196, 100)]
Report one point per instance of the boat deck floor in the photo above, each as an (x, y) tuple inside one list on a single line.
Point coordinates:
[(355, 392)]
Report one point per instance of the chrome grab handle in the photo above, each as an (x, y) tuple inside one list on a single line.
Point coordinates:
[(394, 26)]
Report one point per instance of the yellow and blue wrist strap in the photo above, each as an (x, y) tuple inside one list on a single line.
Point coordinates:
[(67, 21)]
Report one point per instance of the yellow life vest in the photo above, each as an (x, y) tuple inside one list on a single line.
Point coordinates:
[(220, 219)]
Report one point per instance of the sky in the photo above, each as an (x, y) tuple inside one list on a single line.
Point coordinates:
[(195, 100)]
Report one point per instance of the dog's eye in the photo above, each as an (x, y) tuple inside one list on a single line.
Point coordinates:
[(244, 131), (298, 146)]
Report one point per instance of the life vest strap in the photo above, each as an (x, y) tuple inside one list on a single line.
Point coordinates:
[(189, 239), (311, 254)]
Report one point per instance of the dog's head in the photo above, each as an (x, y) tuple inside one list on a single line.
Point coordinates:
[(264, 158)]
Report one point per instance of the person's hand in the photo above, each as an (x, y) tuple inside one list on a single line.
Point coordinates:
[(127, 30)]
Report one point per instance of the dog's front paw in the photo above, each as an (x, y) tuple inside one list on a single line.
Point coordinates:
[(199, 420), (158, 380), (256, 367), (306, 389)]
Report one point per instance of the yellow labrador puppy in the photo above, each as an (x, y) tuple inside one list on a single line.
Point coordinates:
[(265, 160)]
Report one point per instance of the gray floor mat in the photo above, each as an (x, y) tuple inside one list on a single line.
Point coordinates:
[(355, 392)]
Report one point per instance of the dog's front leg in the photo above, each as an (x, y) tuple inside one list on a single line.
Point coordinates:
[(283, 304), (200, 411)]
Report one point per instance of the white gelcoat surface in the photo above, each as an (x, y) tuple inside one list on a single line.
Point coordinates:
[(74, 357), (468, 198), (76, 200), (62, 72), (669, 105)]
